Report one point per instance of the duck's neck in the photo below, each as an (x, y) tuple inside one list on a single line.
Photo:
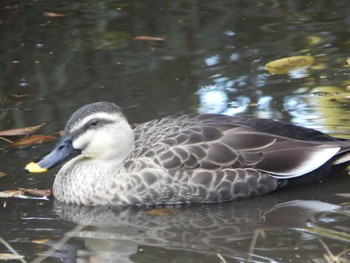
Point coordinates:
[(82, 180)]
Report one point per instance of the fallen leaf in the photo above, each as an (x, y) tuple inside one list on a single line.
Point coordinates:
[(52, 14), (32, 140), (2, 174), (285, 65), (149, 38), (36, 192), (21, 131), (159, 212), (8, 256), (11, 193), (41, 240), (20, 192)]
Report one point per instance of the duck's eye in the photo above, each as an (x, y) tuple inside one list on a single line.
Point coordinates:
[(93, 123)]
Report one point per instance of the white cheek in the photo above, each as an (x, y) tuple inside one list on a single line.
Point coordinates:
[(81, 142), (93, 145), (99, 142)]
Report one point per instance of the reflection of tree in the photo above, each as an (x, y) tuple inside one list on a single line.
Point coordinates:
[(89, 55)]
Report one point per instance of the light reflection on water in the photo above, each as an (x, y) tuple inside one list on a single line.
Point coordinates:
[(212, 61), (322, 108)]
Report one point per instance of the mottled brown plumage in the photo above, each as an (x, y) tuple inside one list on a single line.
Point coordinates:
[(186, 159)]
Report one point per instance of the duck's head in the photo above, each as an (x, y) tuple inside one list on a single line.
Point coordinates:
[(96, 131)]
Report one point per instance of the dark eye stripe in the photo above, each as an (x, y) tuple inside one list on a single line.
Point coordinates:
[(96, 123), (99, 124)]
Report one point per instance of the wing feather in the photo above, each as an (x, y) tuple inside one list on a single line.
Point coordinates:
[(290, 163), (216, 142)]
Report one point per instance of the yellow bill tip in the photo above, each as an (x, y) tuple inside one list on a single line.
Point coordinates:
[(34, 168)]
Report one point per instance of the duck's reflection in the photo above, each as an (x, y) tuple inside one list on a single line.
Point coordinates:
[(113, 234)]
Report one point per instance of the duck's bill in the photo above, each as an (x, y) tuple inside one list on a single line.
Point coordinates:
[(63, 151)]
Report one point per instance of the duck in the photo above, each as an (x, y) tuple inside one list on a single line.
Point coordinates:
[(182, 159)]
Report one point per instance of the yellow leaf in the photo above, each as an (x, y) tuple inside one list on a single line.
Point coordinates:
[(285, 65)]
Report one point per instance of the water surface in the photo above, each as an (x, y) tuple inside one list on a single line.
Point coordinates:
[(212, 60)]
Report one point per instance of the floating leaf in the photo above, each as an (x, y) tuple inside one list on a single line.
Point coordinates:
[(285, 65), (8, 256), (159, 212), (21, 131), (149, 38), (11, 193), (32, 140), (41, 240), (36, 192), (20, 192), (52, 14), (2, 174)]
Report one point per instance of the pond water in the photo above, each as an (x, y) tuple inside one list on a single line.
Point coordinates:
[(60, 55)]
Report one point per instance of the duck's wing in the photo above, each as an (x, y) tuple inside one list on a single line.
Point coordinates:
[(217, 142), (285, 129)]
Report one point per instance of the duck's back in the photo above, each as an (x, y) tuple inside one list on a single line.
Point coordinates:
[(161, 128), (215, 142), (215, 158)]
